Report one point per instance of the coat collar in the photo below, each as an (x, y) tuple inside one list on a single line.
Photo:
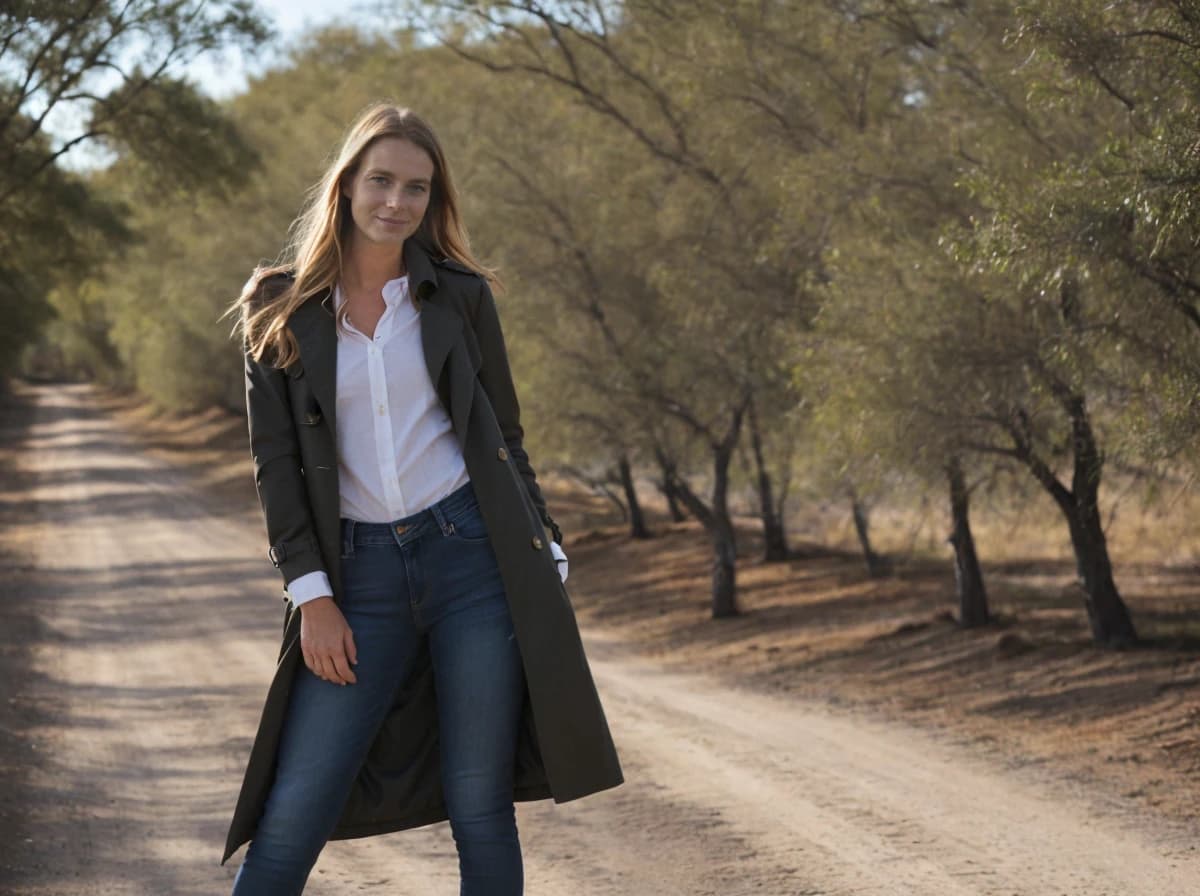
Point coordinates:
[(313, 326)]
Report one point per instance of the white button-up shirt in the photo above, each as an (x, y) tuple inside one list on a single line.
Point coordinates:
[(397, 450)]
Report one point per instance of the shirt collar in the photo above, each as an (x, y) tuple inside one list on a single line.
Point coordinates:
[(394, 291)]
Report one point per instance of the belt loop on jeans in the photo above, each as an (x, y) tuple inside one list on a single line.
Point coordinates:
[(347, 537), (446, 526)]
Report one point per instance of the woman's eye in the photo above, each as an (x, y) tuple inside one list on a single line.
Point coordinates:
[(378, 179), (418, 188)]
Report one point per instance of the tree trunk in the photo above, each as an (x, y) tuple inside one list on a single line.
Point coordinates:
[(715, 519), (968, 577), (1108, 616), (877, 566), (666, 485), (637, 520), (674, 507), (724, 577), (719, 525), (775, 548), (724, 571)]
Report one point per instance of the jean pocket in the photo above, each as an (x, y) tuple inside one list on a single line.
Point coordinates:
[(469, 526)]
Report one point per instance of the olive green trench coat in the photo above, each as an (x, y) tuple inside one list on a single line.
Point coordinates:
[(565, 750)]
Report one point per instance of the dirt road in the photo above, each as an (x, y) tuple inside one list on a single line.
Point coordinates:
[(151, 620)]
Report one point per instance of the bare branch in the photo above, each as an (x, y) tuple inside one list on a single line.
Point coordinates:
[(27, 85), (1164, 35)]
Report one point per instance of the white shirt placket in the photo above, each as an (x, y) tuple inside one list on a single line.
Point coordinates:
[(385, 446)]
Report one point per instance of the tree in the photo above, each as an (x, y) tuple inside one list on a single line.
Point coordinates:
[(1130, 208), (721, 97), (79, 72), (1013, 359)]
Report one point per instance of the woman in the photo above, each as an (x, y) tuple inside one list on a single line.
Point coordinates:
[(431, 667)]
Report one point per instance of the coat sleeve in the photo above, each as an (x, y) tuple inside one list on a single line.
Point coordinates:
[(496, 377), (294, 550)]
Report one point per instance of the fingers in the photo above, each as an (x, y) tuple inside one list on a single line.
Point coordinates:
[(344, 657), (331, 665), (329, 651), (315, 662), (336, 660), (341, 668)]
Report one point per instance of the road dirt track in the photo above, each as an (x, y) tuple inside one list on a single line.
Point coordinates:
[(158, 625)]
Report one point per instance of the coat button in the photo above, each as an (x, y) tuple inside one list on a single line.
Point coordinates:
[(502, 454), (537, 543)]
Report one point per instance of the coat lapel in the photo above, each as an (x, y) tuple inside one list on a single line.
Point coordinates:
[(441, 335), (441, 331), (312, 325)]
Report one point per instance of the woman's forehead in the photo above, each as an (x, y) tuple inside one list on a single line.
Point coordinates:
[(398, 157)]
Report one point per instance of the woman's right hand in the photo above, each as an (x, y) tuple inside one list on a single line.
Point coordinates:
[(327, 641)]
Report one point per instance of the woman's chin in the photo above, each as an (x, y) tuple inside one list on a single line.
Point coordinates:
[(382, 236)]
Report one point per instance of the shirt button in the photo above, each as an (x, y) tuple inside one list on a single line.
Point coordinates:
[(537, 543), (502, 454)]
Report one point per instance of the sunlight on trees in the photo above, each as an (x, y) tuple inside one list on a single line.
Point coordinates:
[(845, 251)]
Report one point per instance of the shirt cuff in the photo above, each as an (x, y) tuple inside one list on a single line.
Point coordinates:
[(308, 587), (560, 558)]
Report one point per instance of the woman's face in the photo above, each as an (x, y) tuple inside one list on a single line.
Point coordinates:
[(389, 191)]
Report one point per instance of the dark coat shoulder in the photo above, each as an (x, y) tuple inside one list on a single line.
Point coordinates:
[(266, 285), (452, 264)]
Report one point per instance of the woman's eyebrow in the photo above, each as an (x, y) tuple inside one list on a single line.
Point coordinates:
[(411, 180)]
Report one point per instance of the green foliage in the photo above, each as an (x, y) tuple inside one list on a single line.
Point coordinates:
[(908, 229), (102, 72), (1114, 220)]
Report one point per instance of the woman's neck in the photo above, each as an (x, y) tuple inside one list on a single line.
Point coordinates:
[(371, 267)]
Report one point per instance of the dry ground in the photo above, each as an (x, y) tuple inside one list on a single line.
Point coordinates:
[(840, 737), (1031, 686)]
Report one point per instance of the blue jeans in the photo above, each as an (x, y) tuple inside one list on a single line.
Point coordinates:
[(433, 574)]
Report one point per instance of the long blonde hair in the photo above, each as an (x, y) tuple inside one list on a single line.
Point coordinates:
[(313, 255)]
